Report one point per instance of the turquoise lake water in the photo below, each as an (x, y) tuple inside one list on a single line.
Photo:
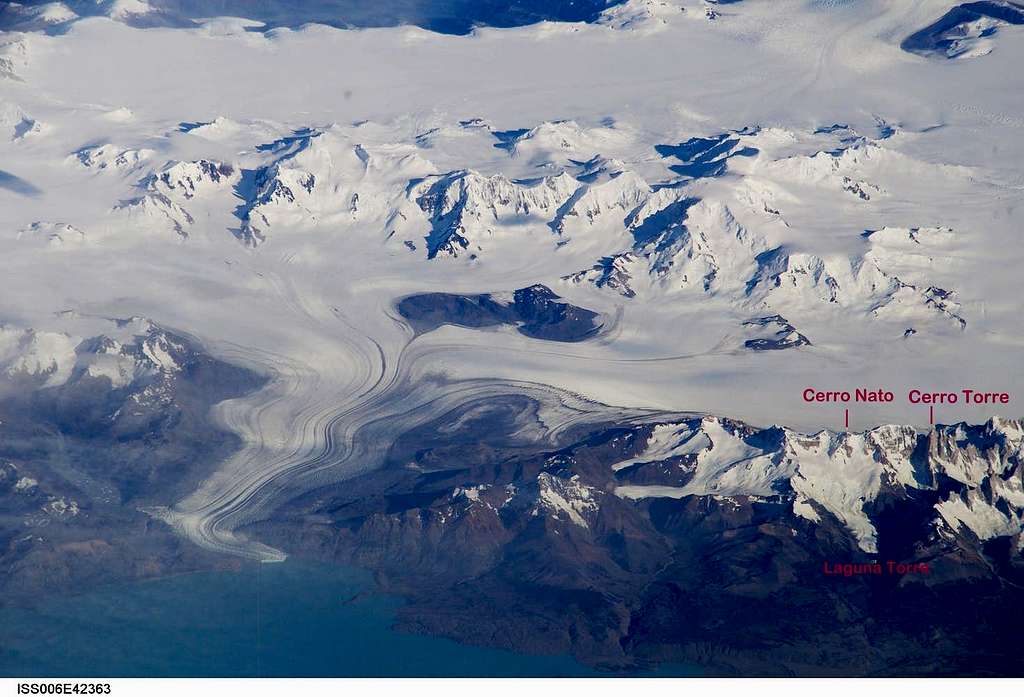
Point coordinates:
[(287, 619)]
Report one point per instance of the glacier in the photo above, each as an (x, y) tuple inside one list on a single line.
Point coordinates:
[(747, 198)]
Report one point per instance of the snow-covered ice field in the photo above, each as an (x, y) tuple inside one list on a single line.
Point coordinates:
[(274, 194)]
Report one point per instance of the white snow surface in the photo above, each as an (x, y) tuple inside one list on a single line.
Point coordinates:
[(842, 473), (292, 260)]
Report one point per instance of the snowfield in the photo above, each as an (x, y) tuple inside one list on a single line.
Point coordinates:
[(755, 197)]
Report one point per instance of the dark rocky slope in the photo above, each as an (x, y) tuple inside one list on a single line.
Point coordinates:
[(80, 460), (535, 551)]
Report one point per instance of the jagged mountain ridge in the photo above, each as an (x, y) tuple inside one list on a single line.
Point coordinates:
[(844, 473), (712, 230), (712, 510)]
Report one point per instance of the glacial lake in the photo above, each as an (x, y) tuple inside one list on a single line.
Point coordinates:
[(290, 619)]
